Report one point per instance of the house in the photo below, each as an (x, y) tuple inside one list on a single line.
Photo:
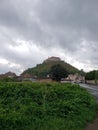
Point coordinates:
[(76, 78), (28, 77)]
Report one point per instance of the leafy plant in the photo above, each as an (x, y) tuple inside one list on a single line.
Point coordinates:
[(57, 72), (44, 106)]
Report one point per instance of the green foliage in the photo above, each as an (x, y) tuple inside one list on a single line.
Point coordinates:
[(57, 72), (82, 73), (44, 106), (42, 70), (96, 74), (91, 75), (7, 79)]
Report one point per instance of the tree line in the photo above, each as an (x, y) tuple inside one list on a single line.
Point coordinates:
[(92, 75)]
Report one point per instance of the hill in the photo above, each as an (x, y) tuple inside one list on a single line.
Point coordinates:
[(42, 70)]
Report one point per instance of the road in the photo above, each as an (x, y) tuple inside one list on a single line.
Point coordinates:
[(93, 89)]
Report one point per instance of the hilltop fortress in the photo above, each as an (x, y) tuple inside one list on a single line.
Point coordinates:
[(52, 59)]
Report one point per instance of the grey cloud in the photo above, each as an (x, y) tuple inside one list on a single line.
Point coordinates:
[(48, 24), (78, 16), (4, 68)]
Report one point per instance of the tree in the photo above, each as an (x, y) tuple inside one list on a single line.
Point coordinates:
[(7, 79), (90, 75), (82, 73), (57, 72), (96, 75)]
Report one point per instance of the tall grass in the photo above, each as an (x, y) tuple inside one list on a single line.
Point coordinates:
[(45, 106)]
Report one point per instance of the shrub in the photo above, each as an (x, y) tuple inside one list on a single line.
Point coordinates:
[(44, 106)]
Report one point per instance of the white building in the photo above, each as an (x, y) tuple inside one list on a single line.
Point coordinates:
[(76, 78)]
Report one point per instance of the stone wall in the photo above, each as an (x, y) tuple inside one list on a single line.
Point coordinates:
[(92, 82)]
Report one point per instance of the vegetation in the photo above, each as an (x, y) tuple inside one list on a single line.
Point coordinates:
[(44, 106), (92, 75), (82, 73), (57, 72), (42, 70), (7, 79)]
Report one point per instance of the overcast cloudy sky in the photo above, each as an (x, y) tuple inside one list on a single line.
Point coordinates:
[(32, 30)]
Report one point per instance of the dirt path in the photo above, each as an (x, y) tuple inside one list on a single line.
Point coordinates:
[(93, 125)]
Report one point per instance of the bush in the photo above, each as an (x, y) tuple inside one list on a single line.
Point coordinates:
[(44, 106)]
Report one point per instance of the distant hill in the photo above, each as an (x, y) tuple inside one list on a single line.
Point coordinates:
[(42, 70)]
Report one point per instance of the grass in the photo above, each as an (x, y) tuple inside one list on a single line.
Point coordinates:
[(45, 106)]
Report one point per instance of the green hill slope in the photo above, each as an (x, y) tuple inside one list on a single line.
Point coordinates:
[(42, 70)]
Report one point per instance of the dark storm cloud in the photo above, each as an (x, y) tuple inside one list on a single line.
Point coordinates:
[(78, 19), (67, 25)]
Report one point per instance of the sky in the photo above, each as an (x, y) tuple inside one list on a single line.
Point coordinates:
[(33, 30)]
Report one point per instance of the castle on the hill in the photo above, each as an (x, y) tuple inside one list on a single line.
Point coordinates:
[(52, 59)]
